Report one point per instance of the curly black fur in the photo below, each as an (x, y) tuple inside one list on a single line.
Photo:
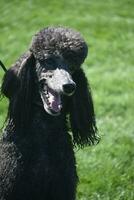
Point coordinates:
[(36, 151)]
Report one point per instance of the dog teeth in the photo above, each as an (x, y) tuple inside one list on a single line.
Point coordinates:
[(60, 106), (47, 100)]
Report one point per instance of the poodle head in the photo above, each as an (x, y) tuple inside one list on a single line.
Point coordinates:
[(58, 52)]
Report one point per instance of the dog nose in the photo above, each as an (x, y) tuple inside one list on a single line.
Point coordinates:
[(69, 89)]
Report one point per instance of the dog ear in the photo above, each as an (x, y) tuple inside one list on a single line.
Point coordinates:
[(82, 116), (19, 89), (10, 82)]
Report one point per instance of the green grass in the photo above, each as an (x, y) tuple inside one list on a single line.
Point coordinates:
[(106, 170)]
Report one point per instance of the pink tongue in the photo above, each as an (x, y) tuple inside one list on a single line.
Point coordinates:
[(55, 106), (54, 100)]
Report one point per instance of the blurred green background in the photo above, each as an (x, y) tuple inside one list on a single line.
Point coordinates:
[(106, 171)]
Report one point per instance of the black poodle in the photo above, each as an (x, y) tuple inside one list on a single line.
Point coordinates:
[(50, 111)]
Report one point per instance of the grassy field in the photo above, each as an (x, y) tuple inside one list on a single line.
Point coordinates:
[(106, 171)]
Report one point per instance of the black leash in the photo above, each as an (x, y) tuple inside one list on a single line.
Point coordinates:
[(3, 66)]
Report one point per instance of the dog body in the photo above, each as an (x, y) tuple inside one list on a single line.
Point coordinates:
[(39, 165), (47, 92)]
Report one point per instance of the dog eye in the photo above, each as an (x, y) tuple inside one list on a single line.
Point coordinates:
[(50, 75), (50, 61), (44, 70)]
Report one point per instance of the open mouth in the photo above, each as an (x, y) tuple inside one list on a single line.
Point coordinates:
[(51, 101)]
